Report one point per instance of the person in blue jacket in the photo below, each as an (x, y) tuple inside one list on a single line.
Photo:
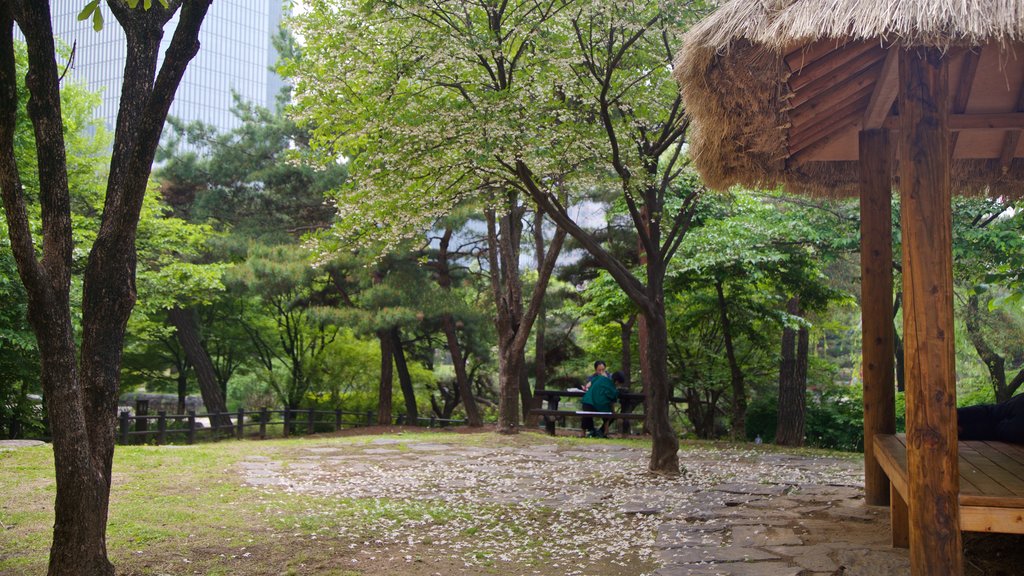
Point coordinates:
[(599, 398)]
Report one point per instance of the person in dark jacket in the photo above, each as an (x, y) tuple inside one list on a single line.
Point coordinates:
[(599, 398), (1003, 422)]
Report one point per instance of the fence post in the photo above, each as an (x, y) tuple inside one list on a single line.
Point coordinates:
[(311, 425), (240, 422), (214, 423), (433, 420), (191, 438), (369, 417), (287, 420), (142, 424), (264, 416), (337, 419), (161, 427), (124, 426)]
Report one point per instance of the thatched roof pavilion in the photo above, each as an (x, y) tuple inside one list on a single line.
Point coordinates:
[(854, 98), (758, 75)]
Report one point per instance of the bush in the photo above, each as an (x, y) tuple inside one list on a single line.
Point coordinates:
[(834, 418)]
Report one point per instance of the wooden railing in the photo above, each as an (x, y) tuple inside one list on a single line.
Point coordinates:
[(140, 428)]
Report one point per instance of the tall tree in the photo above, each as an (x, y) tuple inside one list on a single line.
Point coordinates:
[(81, 385), (626, 107), (423, 124), (792, 380)]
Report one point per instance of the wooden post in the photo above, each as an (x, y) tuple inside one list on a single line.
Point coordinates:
[(141, 420), (337, 419), (926, 218), (550, 421), (369, 417), (876, 305), (287, 421), (311, 425), (125, 424), (240, 424), (898, 519), (191, 438), (161, 427), (264, 417)]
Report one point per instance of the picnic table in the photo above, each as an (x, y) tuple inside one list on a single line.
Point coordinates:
[(628, 401)]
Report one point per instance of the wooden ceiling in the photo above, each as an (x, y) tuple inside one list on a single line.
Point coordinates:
[(838, 90)]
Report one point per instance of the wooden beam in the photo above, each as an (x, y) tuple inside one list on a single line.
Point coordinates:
[(926, 219), (806, 55), (839, 119), (884, 95), (898, 518), (859, 72), (828, 103), (963, 89), (834, 62), (1012, 138), (996, 121), (876, 305)]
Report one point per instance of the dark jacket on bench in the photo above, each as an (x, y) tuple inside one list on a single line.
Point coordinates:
[(1002, 422), (601, 394)]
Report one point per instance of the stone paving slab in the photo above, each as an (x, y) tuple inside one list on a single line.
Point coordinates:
[(735, 569), (12, 444), (694, 555), (788, 521)]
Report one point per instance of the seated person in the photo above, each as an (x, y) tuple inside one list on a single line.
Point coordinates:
[(598, 398), (1002, 422)]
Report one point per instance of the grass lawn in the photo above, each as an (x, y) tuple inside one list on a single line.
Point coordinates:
[(196, 510)]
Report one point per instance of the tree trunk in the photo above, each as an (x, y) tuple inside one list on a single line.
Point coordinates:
[(182, 390), (789, 429), (525, 395), (461, 378), (995, 363), (404, 379), (187, 329), (506, 284), (81, 397), (626, 338), (449, 326), (739, 391), (664, 443), (702, 411), (539, 365), (512, 324), (386, 379), (897, 344)]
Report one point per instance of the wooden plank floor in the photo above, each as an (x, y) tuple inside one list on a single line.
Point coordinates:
[(991, 481)]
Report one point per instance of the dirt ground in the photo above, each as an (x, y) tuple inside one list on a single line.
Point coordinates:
[(395, 501)]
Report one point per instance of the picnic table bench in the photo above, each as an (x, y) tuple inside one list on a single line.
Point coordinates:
[(991, 485), (628, 401)]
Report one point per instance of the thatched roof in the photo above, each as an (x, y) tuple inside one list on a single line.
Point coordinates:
[(778, 89)]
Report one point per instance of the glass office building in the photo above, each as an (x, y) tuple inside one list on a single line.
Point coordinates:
[(236, 55)]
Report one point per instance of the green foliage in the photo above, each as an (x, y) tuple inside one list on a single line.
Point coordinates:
[(834, 418)]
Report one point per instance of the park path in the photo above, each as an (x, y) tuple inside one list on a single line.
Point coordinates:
[(738, 511)]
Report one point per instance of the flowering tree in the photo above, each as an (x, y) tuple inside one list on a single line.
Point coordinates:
[(425, 100), (80, 385), (543, 100)]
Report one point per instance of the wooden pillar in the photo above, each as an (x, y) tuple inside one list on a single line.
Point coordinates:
[(926, 219), (876, 305)]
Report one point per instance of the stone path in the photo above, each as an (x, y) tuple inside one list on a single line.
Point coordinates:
[(737, 511), (12, 444)]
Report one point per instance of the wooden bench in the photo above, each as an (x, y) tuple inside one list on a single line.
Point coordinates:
[(991, 485), (628, 402), (551, 416)]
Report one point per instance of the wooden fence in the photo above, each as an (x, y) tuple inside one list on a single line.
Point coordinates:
[(142, 428)]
